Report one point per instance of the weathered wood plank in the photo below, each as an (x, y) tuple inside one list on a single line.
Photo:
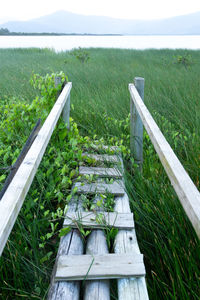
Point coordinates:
[(105, 147), (91, 267), (99, 188), (70, 244), (126, 242), (14, 196), (133, 288), (102, 157), (99, 220), (187, 192), (101, 172), (97, 245)]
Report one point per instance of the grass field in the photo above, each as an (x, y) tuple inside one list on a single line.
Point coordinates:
[(101, 106)]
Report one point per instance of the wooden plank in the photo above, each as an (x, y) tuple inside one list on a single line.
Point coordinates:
[(102, 157), (97, 245), (99, 220), (70, 244), (105, 147), (187, 192), (92, 267), (133, 288), (99, 188), (101, 172), (14, 196)]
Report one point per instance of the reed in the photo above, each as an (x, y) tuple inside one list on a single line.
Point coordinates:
[(100, 101)]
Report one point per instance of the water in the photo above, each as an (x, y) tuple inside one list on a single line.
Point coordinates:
[(62, 43)]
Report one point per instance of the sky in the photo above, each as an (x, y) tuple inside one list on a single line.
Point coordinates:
[(125, 9)]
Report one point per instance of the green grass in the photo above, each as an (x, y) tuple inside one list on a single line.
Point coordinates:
[(101, 100)]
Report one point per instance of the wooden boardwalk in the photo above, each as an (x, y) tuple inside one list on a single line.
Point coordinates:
[(84, 265)]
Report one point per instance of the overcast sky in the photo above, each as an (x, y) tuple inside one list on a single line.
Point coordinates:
[(129, 9)]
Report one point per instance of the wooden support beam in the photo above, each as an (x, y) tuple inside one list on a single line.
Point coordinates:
[(126, 243), (70, 244), (93, 267), (97, 245), (99, 220)]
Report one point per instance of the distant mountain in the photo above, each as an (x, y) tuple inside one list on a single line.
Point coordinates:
[(66, 22), (4, 19)]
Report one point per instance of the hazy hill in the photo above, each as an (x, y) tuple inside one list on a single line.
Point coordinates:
[(66, 22)]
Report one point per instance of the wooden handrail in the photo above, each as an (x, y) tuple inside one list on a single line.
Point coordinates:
[(185, 189), (15, 194)]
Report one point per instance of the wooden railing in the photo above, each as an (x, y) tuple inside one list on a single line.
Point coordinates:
[(185, 189), (15, 194)]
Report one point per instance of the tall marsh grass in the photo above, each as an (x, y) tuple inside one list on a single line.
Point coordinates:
[(100, 101)]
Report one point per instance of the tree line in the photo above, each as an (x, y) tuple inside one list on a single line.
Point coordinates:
[(5, 31)]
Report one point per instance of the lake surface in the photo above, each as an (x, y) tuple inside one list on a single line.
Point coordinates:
[(62, 43)]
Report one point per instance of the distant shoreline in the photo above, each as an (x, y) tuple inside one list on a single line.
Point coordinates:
[(56, 34), (91, 34)]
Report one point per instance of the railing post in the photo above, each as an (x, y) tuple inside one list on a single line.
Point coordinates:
[(136, 126), (57, 81), (66, 108), (66, 112)]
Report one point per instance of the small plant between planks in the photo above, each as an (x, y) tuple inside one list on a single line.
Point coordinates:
[(99, 219)]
